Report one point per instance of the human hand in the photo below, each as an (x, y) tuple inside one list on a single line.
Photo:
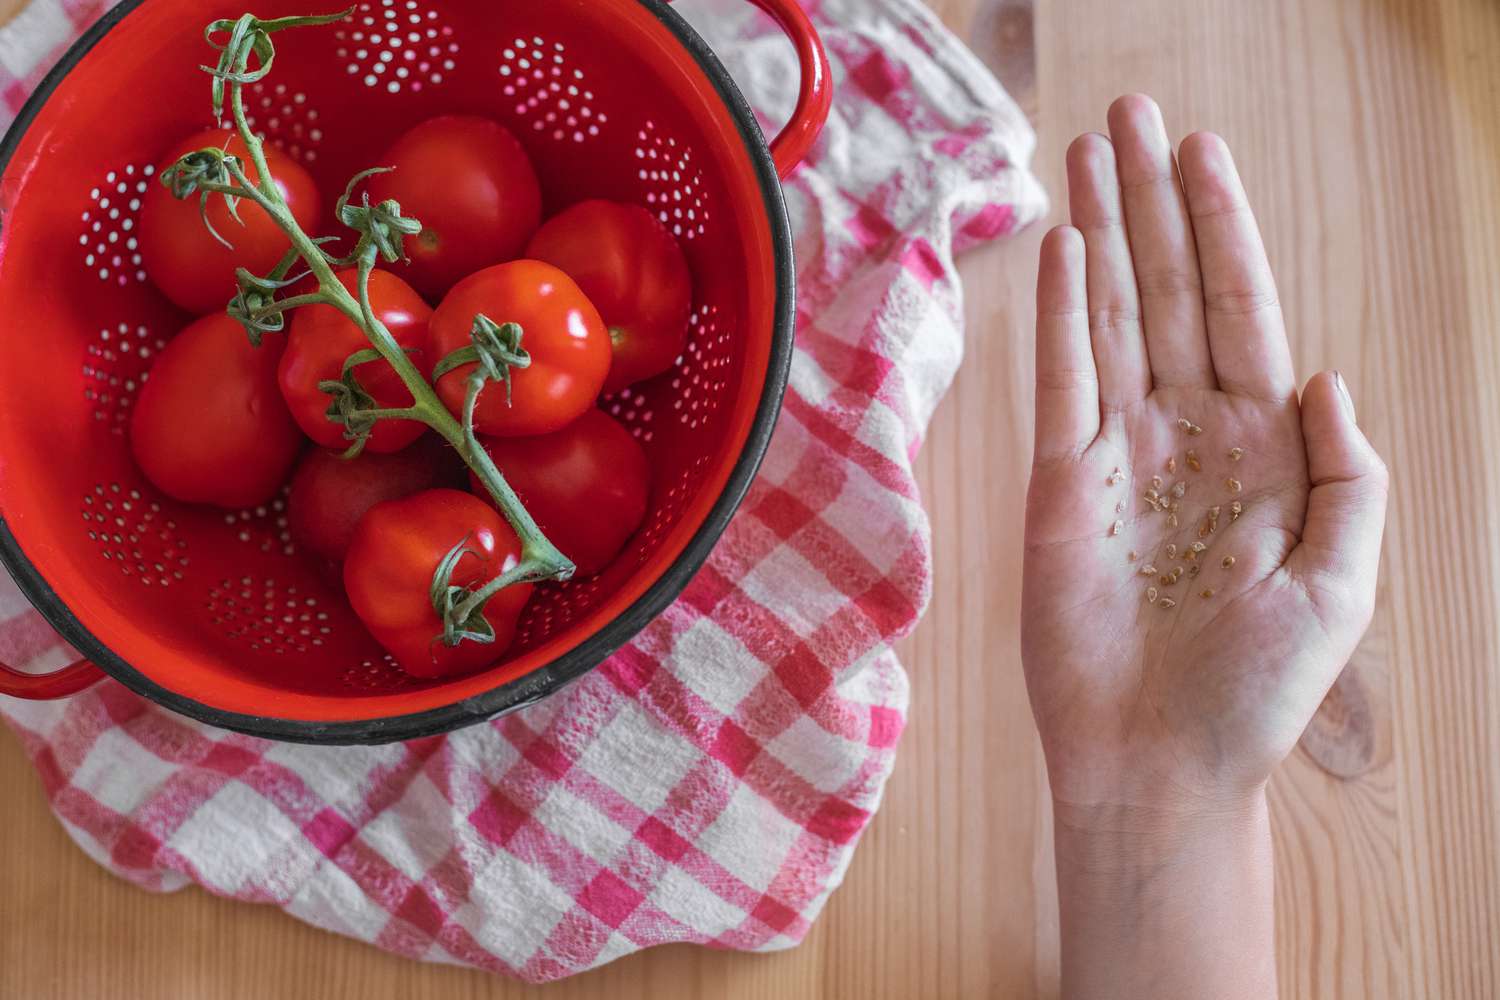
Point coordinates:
[(1158, 317)]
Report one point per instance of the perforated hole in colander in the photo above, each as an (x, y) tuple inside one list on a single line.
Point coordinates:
[(397, 45), (672, 185), (699, 380), (634, 411), (284, 116), (107, 244), (549, 91), (116, 362), (541, 74), (264, 527), (553, 607), (667, 505), (267, 616), (377, 675), (134, 533)]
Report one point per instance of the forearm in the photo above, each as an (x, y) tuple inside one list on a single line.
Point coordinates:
[(1163, 906)]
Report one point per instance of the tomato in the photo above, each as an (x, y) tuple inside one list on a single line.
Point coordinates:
[(586, 486), (634, 272), (210, 425), (469, 183), (561, 331), (321, 338), (331, 493), (192, 268), (388, 572)]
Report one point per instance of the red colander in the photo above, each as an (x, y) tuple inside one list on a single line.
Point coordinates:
[(216, 614)]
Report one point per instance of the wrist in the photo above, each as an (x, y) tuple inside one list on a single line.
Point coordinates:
[(1157, 832), (1165, 901)]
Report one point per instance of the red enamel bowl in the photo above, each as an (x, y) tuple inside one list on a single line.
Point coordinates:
[(216, 614)]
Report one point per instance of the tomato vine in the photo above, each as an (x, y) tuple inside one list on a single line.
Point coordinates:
[(245, 58)]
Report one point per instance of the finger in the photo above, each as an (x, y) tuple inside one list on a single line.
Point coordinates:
[(1161, 241), (1067, 385), (1340, 549), (1114, 313), (1246, 335)]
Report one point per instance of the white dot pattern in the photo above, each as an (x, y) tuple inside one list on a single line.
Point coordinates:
[(116, 363), (264, 527), (666, 508), (549, 92), (107, 242), (699, 377), (285, 117), (134, 534), (282, 607), (267, 616), (671, 182), (397, 45)]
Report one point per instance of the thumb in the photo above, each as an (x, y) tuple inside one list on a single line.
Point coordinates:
[(1340, 551)]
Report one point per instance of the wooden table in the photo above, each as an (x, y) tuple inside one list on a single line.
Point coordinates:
[(1369, 136)]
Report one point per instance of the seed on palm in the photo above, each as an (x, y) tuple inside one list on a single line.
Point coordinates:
[(1188, 427)]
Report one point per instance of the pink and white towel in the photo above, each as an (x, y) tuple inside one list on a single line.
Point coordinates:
[(709, 782)]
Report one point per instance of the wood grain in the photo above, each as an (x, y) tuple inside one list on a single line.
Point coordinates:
[(1370, 143), (10, 8)]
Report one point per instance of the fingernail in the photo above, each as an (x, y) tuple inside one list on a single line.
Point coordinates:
[(1343, 387)]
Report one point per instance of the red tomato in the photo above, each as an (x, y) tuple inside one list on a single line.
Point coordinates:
[(210, 425), (586, 486), (633, 272), (192, 268), (330, 493), (321, 338), (469, 183), (561, 330), (388, 576)]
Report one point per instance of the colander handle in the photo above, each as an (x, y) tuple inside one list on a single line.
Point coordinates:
[(45, 687), (815, 97)]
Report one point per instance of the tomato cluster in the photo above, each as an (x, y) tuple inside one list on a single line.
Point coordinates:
[(601, 293)]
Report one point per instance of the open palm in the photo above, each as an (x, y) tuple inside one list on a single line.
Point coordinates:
[(1201, 549)]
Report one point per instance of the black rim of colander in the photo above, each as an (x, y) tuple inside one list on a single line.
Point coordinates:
[(545, 680)]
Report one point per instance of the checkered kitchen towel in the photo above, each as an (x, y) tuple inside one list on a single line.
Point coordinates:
[(709, 782)]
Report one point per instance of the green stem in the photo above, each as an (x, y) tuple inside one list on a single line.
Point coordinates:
[(525, 571), (230, 190), (535, 547), (540, 559), (404, 413), (252, 142), (295, 302)]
